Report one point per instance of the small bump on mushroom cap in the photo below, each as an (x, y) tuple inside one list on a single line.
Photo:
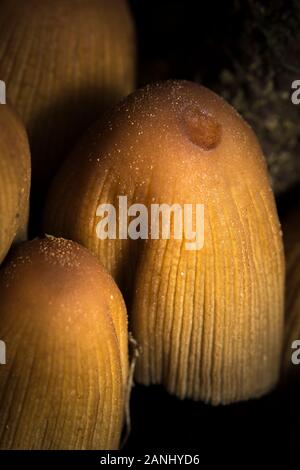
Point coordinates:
[(147, 134)]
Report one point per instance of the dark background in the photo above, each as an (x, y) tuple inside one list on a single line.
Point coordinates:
[(248, 53)]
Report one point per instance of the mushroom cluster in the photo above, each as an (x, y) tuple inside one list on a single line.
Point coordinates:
[(163, 209), (209, 321)]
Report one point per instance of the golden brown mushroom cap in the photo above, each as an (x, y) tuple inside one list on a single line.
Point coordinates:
[(209, 322), (63, 62), (64, 324), (14, 179)]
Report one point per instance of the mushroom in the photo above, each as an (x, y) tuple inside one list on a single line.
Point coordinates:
[(208, 321), (64, 324), (63, 62), (14, 179)]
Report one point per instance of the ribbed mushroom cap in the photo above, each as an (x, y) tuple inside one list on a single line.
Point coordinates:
[(64, 324), (209, 321), (63, 62), (14, 179)]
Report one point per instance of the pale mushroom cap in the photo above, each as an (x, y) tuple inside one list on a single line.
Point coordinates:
[(209, 322), (64, 325)]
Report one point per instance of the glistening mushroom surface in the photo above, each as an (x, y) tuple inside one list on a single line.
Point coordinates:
[(64, 324), (15, 169), (209, 322)]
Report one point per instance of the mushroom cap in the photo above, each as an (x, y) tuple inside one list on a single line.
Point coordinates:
[(63, 62), (209, 322), (15, 169), (64, 324)]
